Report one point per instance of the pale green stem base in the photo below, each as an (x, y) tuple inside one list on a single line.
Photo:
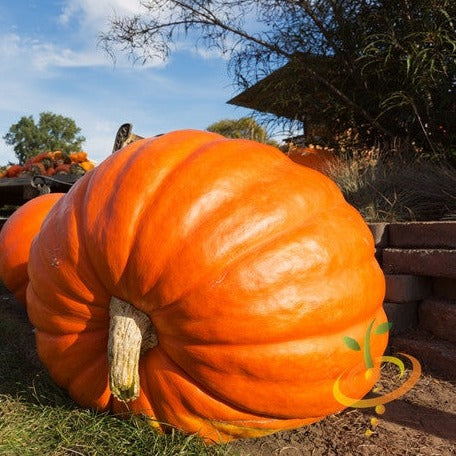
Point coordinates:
[(130, 334)]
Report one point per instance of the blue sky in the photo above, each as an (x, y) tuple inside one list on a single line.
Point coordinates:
[(50, 61)]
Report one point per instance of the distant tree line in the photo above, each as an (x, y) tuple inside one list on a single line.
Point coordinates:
[(52, 132), (245, 127)]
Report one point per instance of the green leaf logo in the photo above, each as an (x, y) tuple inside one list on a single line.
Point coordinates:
[(383, 328), (351, 343)]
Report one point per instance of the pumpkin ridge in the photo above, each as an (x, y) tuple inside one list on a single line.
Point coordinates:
[(213, 395), (217, 273), (157, 180), (88, 186), (234, 201), (49, 344), (103, 400), (42, 308), (180, 247), (86, 311), (321, 387), (357, 327), (273, 342), (80, 222)]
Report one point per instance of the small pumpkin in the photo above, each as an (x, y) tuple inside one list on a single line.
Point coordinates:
[(76, 169), (14, 170), (63, 168), (56, 155), (38, 168), (40, 157), (318, 158), (28, 165), (78, 157), (16, 237), (236, 274), (87, 165)]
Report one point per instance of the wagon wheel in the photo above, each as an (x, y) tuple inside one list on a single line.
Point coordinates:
[(124, 136)]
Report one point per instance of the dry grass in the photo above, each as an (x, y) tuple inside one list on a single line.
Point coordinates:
[(397, 189)]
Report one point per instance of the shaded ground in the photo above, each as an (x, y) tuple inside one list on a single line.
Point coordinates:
[(423, 422)]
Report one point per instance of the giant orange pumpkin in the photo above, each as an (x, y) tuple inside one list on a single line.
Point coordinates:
[(236, 273), (15, 239)]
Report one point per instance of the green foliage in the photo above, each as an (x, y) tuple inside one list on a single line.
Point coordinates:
[(384, 67), (408, 63), (245, 127), (52, 132)]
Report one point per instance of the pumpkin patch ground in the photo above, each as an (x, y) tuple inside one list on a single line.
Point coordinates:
[(423, 422)]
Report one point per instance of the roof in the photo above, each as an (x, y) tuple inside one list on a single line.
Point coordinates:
[(287, 91)]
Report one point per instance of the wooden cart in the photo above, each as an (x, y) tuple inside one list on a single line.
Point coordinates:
[(16, 191)]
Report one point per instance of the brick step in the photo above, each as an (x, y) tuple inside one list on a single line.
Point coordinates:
[(401, 288), (437, 357), (444, 287), (438, 317), (422, 235), (423, 262), (402, 316)]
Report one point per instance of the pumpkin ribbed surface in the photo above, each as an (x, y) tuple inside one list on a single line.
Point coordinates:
[(250, 268)]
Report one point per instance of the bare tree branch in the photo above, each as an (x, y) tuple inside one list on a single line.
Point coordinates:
[(261, 35)]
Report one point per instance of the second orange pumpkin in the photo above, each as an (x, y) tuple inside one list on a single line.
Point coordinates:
[(16, 238)]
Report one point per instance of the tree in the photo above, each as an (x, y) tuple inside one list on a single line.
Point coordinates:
[(52, 132), (383, 67), (245, 127), (409, 54)]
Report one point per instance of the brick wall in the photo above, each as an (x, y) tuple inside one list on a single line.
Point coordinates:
[(419, 262)]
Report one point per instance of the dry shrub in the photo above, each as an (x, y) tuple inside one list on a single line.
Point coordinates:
[(397, 189)]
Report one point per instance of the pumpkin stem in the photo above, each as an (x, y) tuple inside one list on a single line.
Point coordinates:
[(130, 334)]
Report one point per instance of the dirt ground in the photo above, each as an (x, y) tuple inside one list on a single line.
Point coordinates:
[(422, 422)]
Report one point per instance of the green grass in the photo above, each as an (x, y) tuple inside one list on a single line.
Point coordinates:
[(38, 429), (38, 418)]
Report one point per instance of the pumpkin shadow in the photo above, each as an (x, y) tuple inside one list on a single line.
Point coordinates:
[(23, 376), (422, 418)]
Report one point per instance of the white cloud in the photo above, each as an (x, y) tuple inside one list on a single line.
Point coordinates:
[(17, 50), (96, 13), (47, 55), (62, 70), (9, 45)]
